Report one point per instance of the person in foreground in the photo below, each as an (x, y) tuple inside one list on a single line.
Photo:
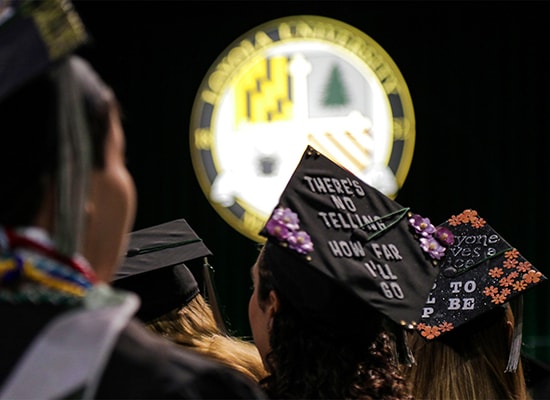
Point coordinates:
[(67, 204), (341, 277), (468, 342), (172, 304)]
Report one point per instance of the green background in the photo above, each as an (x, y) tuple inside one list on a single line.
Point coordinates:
[(478, 76)]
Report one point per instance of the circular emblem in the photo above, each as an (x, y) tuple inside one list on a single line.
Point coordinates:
[(286, 84)]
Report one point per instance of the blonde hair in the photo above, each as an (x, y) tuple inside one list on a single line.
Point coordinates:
[(469, 365), (194, 326)]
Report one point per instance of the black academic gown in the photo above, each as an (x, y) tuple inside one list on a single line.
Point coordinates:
[(141, 366)]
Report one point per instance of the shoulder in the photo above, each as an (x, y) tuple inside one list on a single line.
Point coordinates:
[(144, 365)]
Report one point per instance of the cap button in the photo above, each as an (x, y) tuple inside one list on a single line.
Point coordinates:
[(133, 252)]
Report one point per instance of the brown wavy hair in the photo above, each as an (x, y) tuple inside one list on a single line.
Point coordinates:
[(468, 363), (193, 326), (308, 360)]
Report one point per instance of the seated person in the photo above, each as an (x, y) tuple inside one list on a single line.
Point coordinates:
[(67, 204), (341, 277), (468, 341), (171, 303)]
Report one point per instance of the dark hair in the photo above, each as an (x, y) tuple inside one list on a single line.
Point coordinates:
[(29, 124), (307, 360)]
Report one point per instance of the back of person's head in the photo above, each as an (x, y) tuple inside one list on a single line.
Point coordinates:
[(358, 361), (340, 277), (468, 363), (55, 113), (468, 341), (171, 301), (193, 325), (30, 126), (154, 268), (67, 205)]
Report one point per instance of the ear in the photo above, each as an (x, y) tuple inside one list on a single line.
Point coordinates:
[(272, 304), (89, 209)]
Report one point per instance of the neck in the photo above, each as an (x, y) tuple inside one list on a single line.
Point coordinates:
[(45, 217)]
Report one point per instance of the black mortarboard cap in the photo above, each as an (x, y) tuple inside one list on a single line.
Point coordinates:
[(332, 236), (479, 272), (33, 35), (154, 267)]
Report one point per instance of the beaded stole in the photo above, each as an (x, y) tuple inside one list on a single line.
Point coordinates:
[(31, 277)]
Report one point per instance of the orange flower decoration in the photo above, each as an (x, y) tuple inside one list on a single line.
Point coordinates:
[(532, 276), (454, 220), (469, 214), (490, 291), (496, 272), (478, 222), (506, 292), (430, 332), (510, 263), (498, 299), (446, 327), (524, 266), (511, 253), (506, 281), (519, 286)]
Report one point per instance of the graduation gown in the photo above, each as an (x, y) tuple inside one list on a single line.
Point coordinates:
[(142, 365)]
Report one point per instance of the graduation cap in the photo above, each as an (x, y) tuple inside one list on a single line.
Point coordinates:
[(338, 249), (154, 267), (33, 35), (480, 272)]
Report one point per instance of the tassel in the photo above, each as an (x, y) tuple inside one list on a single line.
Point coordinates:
[(211, 295), (402, 351), (515, 347)]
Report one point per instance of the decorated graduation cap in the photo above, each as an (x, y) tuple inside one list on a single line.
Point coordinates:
[(33, 35), (480, 271), (338, 249), (154, 267)]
